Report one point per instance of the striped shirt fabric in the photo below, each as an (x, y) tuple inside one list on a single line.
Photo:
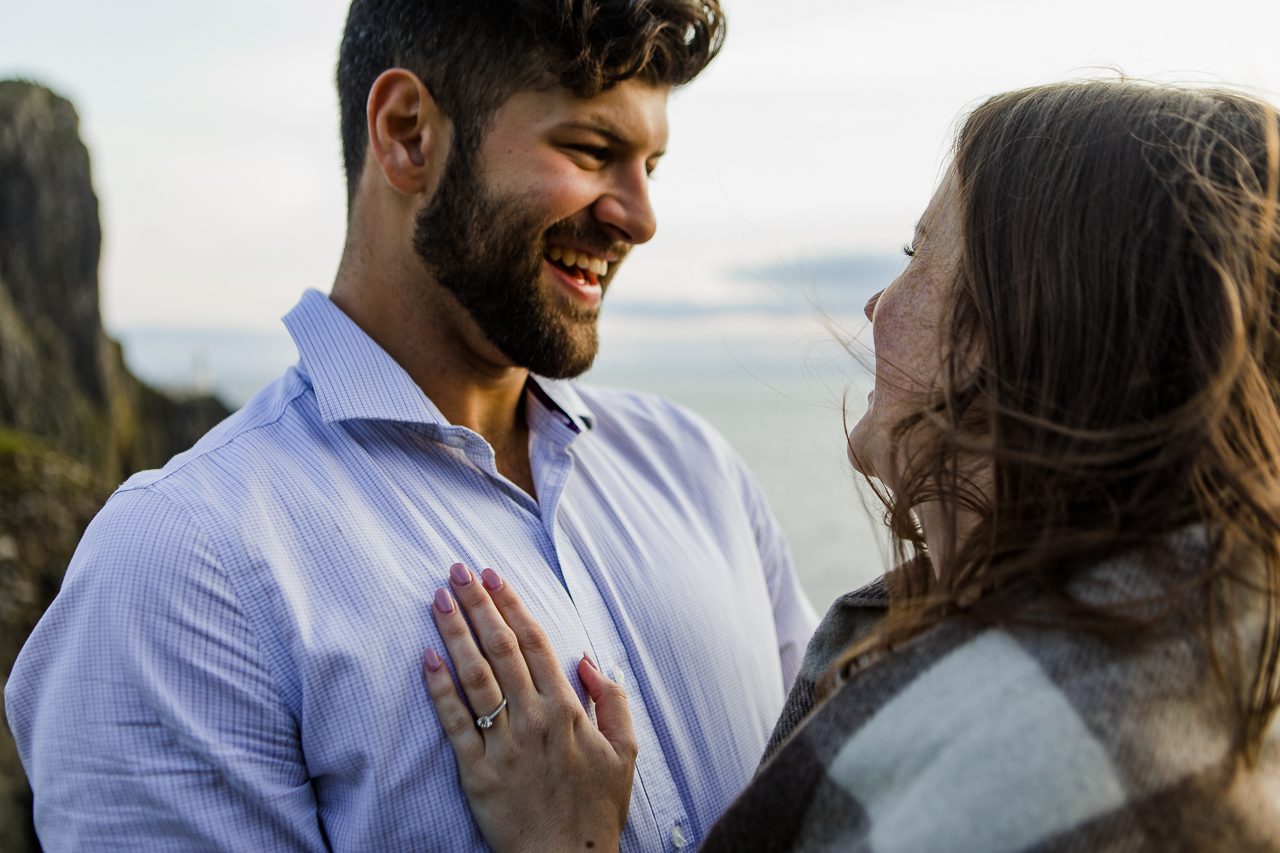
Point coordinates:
[(233, 661)]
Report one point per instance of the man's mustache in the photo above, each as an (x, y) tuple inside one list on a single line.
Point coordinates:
[(591, 238)]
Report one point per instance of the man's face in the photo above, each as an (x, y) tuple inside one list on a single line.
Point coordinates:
[(527, 235)]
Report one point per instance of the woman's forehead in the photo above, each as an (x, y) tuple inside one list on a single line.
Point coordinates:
[(942, 205)]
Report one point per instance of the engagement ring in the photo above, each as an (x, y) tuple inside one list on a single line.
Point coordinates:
[(486, 720)]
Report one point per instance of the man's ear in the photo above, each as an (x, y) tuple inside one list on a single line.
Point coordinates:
[(407, 131)]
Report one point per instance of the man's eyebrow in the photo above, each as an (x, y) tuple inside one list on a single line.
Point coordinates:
[(615, 139)]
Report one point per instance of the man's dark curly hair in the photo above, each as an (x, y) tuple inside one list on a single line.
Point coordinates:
[(474, 54)]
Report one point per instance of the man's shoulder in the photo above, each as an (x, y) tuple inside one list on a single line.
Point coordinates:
[(653, 431), (166, 526), (247, 439), (623, 408)]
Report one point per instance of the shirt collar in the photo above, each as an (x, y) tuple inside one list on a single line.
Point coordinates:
[(561, 395), (355, 379)]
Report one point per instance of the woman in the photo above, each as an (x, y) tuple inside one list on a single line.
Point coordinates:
[(1076, 424)]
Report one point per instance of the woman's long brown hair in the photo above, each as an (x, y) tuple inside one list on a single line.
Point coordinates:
[(1113, 362)]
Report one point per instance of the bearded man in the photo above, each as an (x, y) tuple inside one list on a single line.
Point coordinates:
[(233, 661)]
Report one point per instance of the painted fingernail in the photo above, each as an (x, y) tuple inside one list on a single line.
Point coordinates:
[(444, 601), (432, 660), (459, 574), (591, 663), (492, 582)]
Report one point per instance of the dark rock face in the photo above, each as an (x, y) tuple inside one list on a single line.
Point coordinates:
[(61, 377), (49, 232), (73, 421)]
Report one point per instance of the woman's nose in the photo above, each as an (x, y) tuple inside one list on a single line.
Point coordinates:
[(870, 308)]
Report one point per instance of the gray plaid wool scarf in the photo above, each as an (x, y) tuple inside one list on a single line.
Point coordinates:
[(972, 738)]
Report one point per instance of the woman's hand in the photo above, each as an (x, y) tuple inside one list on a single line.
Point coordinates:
[(541, 776)]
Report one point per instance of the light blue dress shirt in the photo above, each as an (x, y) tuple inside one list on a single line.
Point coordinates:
[(234, 659)]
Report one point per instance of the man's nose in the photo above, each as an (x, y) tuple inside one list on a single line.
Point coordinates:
[(625, 207)]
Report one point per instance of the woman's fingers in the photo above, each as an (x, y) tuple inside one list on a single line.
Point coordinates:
[(499, 643), (513, 660), (544, 777), (535, 646), (479, 685), (455, 716), (612, 715)]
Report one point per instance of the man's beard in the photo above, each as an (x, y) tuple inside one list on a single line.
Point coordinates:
[(487, 250)]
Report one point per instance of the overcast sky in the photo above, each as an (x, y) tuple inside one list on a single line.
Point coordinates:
[(818, 132)]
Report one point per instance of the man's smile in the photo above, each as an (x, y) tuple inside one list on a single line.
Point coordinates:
[(578, 264)]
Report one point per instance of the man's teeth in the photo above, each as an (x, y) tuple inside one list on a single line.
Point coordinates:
[(581, 260)]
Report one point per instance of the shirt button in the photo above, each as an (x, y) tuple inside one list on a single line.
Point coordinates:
[(616, 675), (678, 839)]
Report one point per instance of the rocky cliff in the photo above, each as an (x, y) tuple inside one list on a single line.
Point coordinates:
[(74, 421)]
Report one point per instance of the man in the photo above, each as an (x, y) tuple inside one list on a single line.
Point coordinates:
[(233, 661)]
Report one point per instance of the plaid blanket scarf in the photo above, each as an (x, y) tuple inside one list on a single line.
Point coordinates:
[(1012, 739)]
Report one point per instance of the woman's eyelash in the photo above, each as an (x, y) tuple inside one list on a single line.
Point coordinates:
[(908, 250)]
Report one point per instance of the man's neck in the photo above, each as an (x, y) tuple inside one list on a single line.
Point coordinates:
[(432, 338)]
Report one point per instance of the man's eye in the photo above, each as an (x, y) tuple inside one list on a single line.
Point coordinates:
[(594, 152)]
